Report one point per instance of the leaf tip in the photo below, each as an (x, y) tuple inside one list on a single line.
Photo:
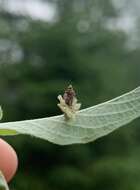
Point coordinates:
[(1, 113)]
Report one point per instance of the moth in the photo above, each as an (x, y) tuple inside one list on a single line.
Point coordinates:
[(68, 103)]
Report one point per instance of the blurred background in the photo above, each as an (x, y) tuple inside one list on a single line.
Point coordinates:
[(93, 45)]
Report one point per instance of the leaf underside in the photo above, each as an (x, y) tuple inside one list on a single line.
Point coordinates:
[(88, 125)]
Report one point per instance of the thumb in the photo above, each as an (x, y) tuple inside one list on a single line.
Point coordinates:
[(8, 160)]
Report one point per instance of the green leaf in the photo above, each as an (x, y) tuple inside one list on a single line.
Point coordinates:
[(3, 183), (88, 125)]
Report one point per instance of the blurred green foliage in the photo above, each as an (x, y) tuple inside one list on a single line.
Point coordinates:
[(37, 61)]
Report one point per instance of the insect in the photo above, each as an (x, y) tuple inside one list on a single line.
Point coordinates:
[(69, 95), (68, 103)]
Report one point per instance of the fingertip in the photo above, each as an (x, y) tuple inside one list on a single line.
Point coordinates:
[(8, 160)]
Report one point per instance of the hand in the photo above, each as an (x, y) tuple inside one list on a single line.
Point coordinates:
[(8, 160)]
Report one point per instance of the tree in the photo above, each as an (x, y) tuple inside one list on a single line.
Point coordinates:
[(76, 48)]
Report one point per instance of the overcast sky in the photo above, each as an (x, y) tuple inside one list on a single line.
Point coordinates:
[(34, 8)]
